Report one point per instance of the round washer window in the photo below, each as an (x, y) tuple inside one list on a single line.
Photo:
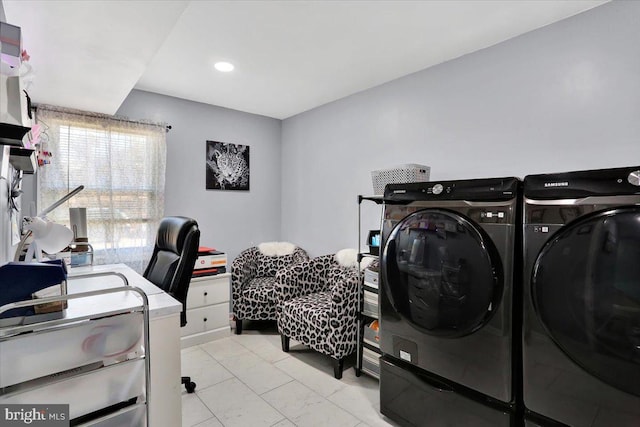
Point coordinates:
[(586, 292), (442, 273)]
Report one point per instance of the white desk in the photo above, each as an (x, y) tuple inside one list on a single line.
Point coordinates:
[(164, 407)]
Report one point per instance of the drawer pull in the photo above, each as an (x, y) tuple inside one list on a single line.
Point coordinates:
[(205, 319), (206, 293)]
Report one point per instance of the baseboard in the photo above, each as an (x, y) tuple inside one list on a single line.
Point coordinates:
[(203, 337)]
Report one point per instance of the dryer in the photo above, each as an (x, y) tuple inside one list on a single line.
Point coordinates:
[(447, 320), (581, 326)]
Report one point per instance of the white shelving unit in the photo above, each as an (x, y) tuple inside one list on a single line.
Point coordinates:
[(207, 310)]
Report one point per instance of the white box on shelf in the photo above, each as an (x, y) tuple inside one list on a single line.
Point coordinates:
[(371, 362), (371, 278), (370, 304), (400, 174)]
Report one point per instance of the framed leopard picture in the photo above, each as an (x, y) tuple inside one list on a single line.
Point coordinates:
[(227, 166)]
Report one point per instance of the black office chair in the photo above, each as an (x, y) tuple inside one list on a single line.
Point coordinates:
[(171, 265)]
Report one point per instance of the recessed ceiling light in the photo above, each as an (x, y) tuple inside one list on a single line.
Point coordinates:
[(224, 67)]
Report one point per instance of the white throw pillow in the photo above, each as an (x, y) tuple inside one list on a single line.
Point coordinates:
[(276, 248), (349, 258)]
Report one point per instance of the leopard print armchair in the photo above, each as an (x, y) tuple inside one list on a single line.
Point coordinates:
[(318, 306), (253, 283)]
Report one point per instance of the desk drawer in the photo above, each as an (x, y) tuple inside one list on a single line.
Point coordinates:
[(87, 392), (69, 347), (206, 319), (207, 291), (132, 416)]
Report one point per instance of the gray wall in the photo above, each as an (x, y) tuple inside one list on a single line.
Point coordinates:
[(229, 220), (561, 98)]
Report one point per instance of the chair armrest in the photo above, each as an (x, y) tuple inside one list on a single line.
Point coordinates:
[(344, 305), (344, 291), (303, 278), (243, 269)]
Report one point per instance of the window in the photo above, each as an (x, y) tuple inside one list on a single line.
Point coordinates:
[(122, 167)]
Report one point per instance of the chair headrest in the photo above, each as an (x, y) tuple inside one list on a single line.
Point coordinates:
[(173, 231), (276, 248), (349, 258)]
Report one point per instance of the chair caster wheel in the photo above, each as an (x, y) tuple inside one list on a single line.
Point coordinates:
[(190, 386)]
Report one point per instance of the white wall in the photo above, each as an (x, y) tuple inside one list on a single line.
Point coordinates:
[(229, 220), (5, 225), (5, 230), (561, 98)]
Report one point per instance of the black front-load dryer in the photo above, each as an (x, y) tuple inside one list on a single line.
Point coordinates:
[(581, 346), (446, 301)]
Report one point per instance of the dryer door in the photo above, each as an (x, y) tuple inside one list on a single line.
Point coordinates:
[(585, 287), (442, 273)]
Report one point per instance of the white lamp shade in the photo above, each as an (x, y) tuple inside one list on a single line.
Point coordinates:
[(49, 236)]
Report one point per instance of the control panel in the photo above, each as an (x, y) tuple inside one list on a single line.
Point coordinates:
[(437, 189)]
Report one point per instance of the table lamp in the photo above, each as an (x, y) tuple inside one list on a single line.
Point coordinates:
[(47, 236)]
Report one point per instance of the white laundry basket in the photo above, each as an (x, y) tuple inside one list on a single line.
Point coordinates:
[(400, 174)]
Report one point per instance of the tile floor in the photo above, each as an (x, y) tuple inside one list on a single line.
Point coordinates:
[(248, 381)]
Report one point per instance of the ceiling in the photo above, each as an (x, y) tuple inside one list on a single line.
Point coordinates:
[(290, 56)]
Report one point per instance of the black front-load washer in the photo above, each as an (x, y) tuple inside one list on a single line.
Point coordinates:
[(447, 323), (581, 327)]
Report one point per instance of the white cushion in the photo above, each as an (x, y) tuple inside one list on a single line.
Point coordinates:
[(349, 258), (276, 248)]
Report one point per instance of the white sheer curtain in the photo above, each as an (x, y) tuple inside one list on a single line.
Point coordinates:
[(121, 164)]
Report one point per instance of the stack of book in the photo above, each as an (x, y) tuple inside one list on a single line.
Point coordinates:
[(209, 262)]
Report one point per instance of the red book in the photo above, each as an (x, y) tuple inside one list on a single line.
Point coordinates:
[(205, 249)]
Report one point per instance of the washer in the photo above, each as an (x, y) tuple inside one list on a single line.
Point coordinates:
[(446, 302), (581, 328)]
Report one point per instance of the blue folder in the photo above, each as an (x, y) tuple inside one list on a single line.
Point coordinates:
[(19, 280)]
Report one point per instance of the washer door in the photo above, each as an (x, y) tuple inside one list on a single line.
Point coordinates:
[(585, 287), (442, 273)]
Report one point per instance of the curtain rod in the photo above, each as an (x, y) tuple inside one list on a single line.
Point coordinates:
[(98, 115)]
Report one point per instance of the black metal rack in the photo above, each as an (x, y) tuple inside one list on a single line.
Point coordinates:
[(368, 349)]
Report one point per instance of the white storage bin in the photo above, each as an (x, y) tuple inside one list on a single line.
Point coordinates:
[(371, 362), (400, 174), (370, 306), (371, 336), (371, 278)]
